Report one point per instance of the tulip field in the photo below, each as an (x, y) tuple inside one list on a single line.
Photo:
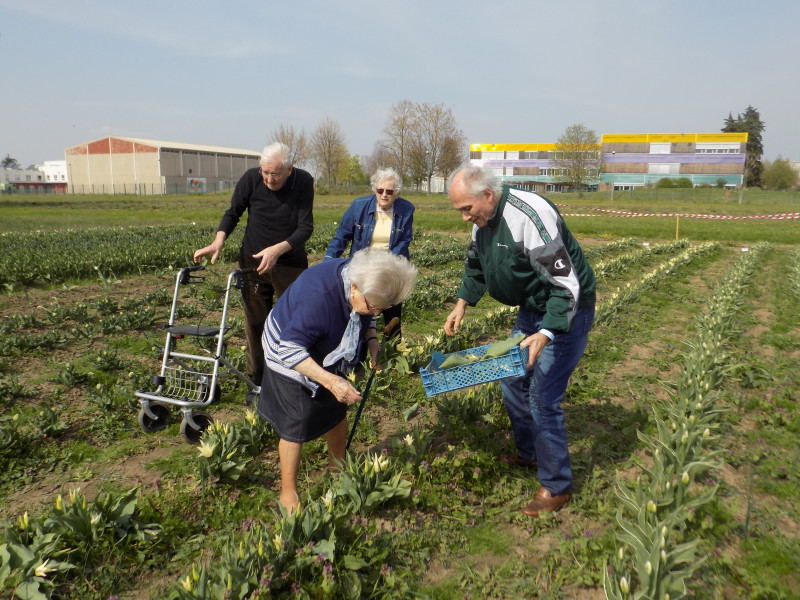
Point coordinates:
[(682, 419)]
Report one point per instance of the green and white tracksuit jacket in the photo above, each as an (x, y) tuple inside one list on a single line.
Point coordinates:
[(525, 256)]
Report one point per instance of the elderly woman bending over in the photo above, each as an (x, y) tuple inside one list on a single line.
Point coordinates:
[(310, 337), (383, 220)]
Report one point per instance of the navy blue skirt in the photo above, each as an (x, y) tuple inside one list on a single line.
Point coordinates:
[(297, 416)]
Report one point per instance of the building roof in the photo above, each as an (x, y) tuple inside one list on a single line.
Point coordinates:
[(173, 145)]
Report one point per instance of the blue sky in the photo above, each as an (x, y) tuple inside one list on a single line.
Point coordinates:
[(229, 73)]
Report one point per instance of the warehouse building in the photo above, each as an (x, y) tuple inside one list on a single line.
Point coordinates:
[(627, 161), (122, 165)]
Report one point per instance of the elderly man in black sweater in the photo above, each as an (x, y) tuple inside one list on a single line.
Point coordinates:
[(278, 198)]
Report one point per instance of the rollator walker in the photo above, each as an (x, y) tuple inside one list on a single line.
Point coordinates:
[(191, 381)]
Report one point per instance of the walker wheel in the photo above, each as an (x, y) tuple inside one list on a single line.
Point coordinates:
[(160, 422), (251, 399), (203, 395), (202, 419)]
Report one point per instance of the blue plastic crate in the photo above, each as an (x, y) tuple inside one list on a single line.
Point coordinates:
[(437, 381)]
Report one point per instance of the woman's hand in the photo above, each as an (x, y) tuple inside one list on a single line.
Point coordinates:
[(343, 390)]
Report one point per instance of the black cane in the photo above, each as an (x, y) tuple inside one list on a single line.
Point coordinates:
[(386, 331)]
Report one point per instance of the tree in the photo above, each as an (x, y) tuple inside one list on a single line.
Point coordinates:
[(9, 162), (750, 122), (299, 151), (328, 150), (399, 133), (578, 156), (352, 173), (379, 158), (423, 140), (454, 154), (779, 175)]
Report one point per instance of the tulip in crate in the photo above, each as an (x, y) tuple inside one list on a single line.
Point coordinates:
[(447, 372)]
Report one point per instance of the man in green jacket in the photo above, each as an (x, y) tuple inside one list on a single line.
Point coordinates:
[(522, 253)]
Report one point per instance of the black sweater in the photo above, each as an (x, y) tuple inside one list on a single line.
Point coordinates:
[(273, 217)]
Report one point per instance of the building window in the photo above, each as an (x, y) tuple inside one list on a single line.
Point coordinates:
[(717, 148)]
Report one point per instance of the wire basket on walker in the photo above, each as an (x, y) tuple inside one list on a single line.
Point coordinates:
[(191, 381)]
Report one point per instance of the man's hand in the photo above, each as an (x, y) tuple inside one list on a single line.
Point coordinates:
[(214, 248), (453, 322), (269, 256), (535, 344)]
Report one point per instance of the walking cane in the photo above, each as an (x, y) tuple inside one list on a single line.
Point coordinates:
[(386, 331)]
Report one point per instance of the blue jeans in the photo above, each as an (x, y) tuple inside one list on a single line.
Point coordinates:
[(533, 401)]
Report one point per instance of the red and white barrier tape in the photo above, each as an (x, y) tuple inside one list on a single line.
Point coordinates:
[(623, 213)]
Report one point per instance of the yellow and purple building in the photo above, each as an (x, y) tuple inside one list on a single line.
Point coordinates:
[(627, 161)]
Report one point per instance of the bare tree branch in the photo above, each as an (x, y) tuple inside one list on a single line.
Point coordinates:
[(299, 150), (328, 150)]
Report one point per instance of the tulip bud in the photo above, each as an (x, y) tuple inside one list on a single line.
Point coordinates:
[(623, 585), (648, 568)]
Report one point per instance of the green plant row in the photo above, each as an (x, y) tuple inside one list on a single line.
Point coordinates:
[(430, 250), (610, 248), (37, 553), (621, 263), (607, 309), (52, 257), (79, 321), (434, 290), (794, 273), (325, 549), (657, 545)]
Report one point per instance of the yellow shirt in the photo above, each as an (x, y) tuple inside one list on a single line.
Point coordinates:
[(383, 229)]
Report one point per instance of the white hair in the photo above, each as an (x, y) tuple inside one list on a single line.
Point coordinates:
[(388, 173), (277, 150), (477, 180), (385, 277)]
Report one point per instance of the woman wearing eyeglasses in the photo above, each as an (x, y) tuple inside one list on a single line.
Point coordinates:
[(311, 336), (383, 220)]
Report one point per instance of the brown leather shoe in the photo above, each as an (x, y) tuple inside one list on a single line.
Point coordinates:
[(518, 461), (544, 502)]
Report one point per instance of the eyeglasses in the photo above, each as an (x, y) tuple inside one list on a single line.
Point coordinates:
[(381, 191), (268, 175), (371, 308)]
